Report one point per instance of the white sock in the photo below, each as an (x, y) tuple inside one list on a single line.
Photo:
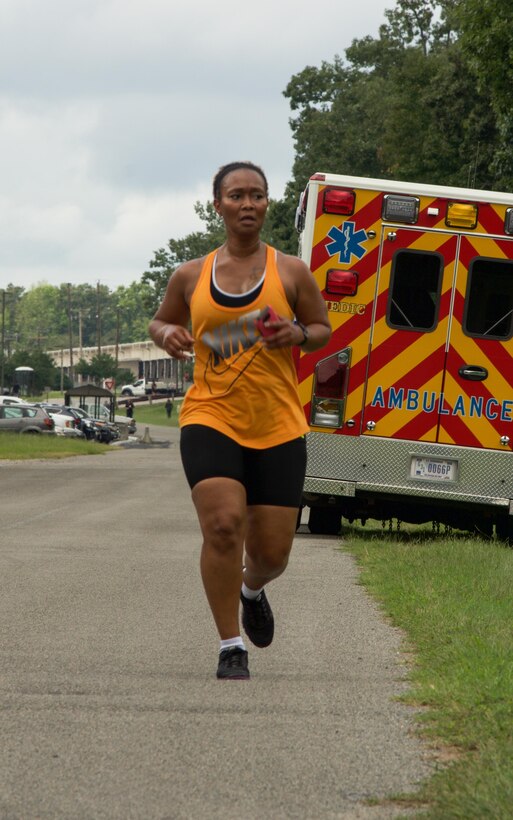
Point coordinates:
[(250, 594), (229, 643)]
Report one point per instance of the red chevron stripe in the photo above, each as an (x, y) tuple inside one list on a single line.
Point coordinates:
[(418, 426), (458, 431), (467, 252), (479, 389), (391, 348), (490, 220), (492, 353), (431, 367)]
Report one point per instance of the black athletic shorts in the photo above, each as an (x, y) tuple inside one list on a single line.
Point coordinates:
[(273, 476)]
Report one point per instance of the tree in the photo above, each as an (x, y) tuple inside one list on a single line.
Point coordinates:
[(40, 319), (130, 305), (11, 301), (403, 105), (486, 38), (102, 366), (41, 363)]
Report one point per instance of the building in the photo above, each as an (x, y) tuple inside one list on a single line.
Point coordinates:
[(144, 359)]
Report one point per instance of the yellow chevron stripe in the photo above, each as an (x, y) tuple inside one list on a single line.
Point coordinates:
[(430, 435), (394, 421), (481, 427)]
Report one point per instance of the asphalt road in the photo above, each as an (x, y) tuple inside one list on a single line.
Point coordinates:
[(109, 705)]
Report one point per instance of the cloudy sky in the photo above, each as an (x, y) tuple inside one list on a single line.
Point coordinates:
[(115, 114)]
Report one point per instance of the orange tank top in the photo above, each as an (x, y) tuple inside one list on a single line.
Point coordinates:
[(240, 388)]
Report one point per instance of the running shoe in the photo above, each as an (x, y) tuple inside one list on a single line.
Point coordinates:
[(233, 664), (258, 620)]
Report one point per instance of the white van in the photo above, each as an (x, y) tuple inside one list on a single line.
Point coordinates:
[(12, 400)]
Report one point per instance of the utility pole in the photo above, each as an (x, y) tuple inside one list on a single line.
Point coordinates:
[(114, 375), (2, 350), (80, 333), (98, 320), (70, 336), (117, 338)]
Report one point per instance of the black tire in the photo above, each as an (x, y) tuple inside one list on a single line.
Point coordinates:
[(126, 392), (504, 529), (324, 520), (483, 528)]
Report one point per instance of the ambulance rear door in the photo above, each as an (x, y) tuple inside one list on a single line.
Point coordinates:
[(409, 335), (477, 409)]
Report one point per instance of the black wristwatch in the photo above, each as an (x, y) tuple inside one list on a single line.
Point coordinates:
[(305, 332)]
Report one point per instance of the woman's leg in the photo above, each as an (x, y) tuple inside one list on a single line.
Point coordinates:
[(221, 507), (269, 537), (274, 489)]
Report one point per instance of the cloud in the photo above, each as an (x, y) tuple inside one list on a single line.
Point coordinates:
[(115, 114)]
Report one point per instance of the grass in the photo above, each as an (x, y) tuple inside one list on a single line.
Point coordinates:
[(21, 447), (154, 414), (452, 596), (16, 447)]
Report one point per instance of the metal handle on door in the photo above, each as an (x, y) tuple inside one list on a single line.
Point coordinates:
[(473, 372)]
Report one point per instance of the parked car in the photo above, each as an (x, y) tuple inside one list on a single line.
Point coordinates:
[(25, 418), (100, 412), (6, 399), (89, 427), (64, 415), (104, 415), (65, 424), (105, 431)]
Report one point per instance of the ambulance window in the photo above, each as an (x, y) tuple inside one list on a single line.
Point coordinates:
[(489, 299), (414, 290)]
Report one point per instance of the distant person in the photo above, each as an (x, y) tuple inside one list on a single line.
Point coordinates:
[(129, 409), (242, 423), (169, 408)]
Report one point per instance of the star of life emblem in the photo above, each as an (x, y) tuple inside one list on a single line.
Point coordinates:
[(346, 242)]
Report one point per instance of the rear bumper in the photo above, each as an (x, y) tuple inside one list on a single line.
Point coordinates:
[(66, 432), (345, 466)]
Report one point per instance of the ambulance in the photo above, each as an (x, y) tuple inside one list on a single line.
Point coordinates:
[(410, 405)]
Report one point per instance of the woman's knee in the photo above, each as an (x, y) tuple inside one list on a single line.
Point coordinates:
[(221, 507), (224, 530), (271, 562)]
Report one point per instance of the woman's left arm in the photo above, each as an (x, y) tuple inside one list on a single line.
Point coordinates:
[(311, 330)]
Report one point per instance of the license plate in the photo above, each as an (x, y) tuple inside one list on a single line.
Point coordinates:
[(433, 469)]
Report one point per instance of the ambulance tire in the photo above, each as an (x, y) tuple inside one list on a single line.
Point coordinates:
[(324, 520), (504, 529), (483, 528)]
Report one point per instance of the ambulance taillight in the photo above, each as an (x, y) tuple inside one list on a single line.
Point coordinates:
[(338, 201), (341, 282), (330, 390)]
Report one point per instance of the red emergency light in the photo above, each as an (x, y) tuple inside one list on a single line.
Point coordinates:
[(341, 282), (338, 201), (330, 390)]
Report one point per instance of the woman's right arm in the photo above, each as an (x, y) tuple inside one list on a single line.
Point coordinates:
[(168, 328)]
